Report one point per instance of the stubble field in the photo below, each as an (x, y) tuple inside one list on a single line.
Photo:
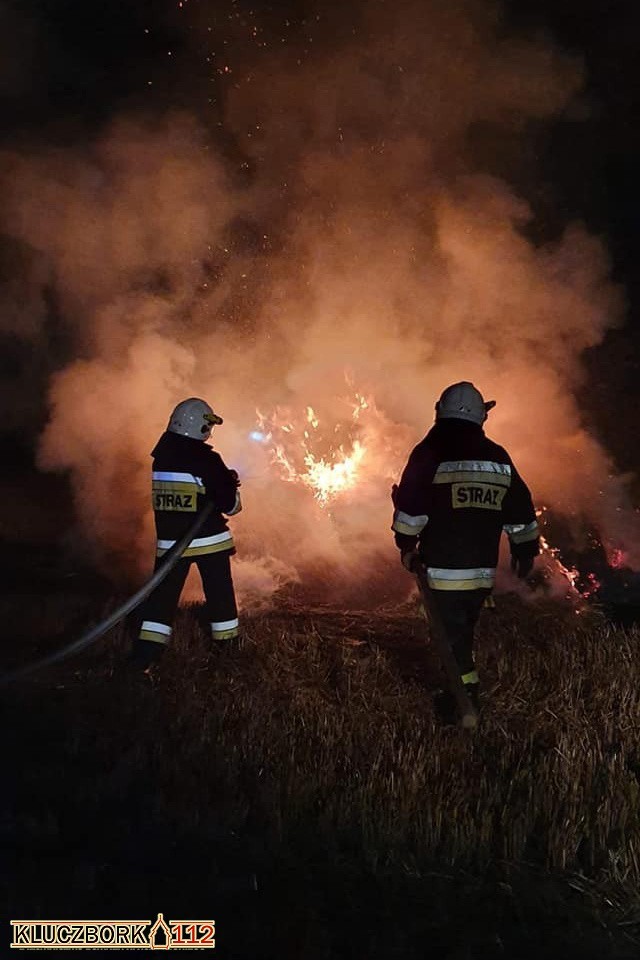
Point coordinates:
[(299, 788)]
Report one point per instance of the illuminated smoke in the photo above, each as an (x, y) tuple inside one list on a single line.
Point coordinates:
[(363, 252)]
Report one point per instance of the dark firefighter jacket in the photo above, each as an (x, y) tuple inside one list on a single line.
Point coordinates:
[(457, 493), (186, 474)]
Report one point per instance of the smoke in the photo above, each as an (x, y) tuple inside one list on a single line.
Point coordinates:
[(356, 245)]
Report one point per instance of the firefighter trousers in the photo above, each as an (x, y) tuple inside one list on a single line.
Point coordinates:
[(458, 611), (158, 611)]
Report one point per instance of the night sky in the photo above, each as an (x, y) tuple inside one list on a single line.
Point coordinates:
[(71, 65), (81, 62)]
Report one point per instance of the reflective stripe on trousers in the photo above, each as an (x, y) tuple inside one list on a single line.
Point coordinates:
[(225, 629), (471, 578), (201, 546), (154, 631)]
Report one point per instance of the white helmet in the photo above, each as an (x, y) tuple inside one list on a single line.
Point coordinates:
[(463, 401), (193, 418)]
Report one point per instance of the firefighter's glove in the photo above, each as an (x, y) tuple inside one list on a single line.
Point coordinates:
[(522, 566), (410, 560), (235, 477)]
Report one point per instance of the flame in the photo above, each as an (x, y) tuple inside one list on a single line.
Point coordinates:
[(569, 573), (590, 584), (329, 479), (328, 460)]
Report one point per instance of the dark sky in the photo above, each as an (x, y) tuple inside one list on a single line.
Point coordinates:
[(88, 59), (76, 63), (592, 166), (594, 161)]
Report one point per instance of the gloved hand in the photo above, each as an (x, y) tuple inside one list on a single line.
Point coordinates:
[(522, 566), (235, 477), (410, 560)]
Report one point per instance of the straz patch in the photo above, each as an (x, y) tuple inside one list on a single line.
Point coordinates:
[(487, 496), (174, 496)]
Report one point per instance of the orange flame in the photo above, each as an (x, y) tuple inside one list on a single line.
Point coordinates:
[(571, 574), (308, 454)]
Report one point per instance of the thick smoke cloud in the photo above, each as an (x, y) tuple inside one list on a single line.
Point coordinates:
[(361, 244)]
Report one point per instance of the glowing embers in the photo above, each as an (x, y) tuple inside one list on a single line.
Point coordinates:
[(617, 558), (326, 455)]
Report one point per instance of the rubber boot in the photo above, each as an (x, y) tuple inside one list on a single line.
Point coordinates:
[(145, 654)]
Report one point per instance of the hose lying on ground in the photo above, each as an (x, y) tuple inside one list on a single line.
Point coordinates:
[(94, 633)]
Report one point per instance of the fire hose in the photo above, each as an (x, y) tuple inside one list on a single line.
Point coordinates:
[(94, 633), (468, 715)]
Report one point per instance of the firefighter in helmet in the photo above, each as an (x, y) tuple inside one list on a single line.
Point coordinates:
[(458, 492), (186, 474)]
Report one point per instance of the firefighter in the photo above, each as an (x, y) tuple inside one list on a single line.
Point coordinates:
[(458, 492), (186, 474)]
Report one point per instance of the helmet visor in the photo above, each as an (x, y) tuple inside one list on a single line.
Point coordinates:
[(212, 419)]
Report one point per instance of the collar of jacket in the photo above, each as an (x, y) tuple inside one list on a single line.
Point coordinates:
[(173, 443), (451, 426)]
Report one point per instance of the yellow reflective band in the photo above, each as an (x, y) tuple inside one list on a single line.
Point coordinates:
[(473, 578), (473, 476), (473, 471), (410, 526), (225, 634), (200, 546), (479, 583), (399, 527), (172, 486), (154, 637), (470, 677), (211, 548), (523, 533)]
